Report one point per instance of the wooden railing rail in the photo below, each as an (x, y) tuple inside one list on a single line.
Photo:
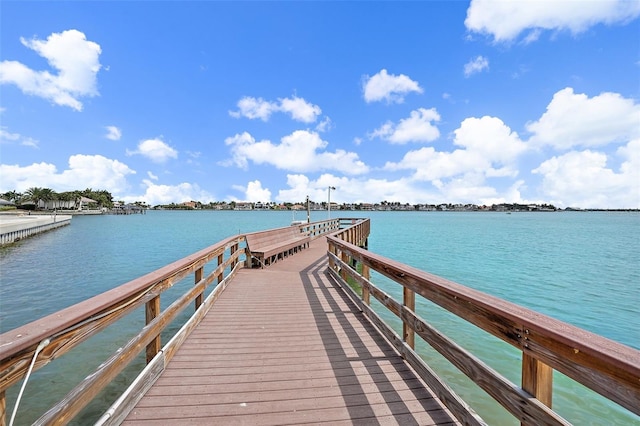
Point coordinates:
[(320, 228), (607, 367), (64, 330)]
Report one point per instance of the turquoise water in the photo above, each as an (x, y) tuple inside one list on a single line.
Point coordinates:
[(582, 268)]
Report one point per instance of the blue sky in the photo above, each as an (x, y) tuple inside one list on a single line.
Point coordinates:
[(422, 102)]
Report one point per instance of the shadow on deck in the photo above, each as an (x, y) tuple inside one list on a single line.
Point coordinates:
[(285, 345)]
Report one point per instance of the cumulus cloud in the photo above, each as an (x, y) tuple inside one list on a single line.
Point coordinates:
[(388, 87), (489, 148), (76, 61), (575, 120), (155, 150), (89, 171), (418, 127), (353, 190), (476, 65), (464, 189), (258, 108), (301, 151), (584, 179), (8, 137), (156, 194), (113, 133), (254, 192), (325, 125), (506, 20)]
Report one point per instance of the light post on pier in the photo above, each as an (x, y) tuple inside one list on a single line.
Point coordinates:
[(329, 202)]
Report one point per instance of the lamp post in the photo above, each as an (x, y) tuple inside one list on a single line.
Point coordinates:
[(329, 202)]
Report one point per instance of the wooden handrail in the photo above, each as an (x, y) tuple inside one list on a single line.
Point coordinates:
[(69, 327), (607, 367)]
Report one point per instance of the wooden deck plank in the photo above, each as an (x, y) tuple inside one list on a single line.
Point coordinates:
[(283, 345)]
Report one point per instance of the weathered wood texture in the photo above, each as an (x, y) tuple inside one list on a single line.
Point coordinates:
[(266, 247), (283, 345), (609, 368), (69, 327)]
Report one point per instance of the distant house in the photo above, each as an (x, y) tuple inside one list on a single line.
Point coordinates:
[(243, 205), (190, 204)]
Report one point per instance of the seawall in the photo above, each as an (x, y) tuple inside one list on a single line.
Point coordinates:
[(14, 228)]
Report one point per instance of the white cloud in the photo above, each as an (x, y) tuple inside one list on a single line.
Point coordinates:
[(165, 194), (491, 138), (388, 87), (583, 179), (253, 108), (490, 149), (75, 59), (152, 176), (476, 65), (573, 120), (467, 188), (298, 152), (506, 20), (254, 192), (155, 150), (353, 190), (325, 125), (297, 108), (113, 133), (418, 127), (85, 171), (7, 137)]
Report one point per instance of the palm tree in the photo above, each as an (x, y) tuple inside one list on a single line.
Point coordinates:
[(37, 194), (33, 194), (12, 196)]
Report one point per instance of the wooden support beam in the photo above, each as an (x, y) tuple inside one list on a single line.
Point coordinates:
[(366, 295), (409, 300), (198, 278), (152, 310), (537, 379), (3, 408)]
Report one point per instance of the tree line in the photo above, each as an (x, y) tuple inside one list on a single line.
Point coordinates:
[(36, 195)]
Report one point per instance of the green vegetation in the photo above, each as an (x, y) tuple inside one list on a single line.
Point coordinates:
[(37, 198)]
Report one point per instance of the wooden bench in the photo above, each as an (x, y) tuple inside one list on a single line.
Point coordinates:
[(266, 247)]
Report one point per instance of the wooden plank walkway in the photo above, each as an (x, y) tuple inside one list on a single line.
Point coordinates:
[(284, 345)]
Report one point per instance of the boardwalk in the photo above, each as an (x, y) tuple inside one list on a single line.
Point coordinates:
[(283, 345)]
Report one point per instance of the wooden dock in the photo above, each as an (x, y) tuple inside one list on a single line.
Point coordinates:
[(284, 345), (290, 342)]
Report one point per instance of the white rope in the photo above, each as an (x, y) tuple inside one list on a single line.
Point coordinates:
[(40, 347)]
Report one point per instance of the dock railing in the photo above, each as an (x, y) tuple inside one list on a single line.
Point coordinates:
[(607, 367), (34, 345)]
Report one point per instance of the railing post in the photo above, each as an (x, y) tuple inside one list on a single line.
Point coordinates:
[(234, 248), (409, 300), (198, 278), (366, 295), (332, 250), (220, 260), (3, 408), (152, 310), (345, 259), (537, 379)]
